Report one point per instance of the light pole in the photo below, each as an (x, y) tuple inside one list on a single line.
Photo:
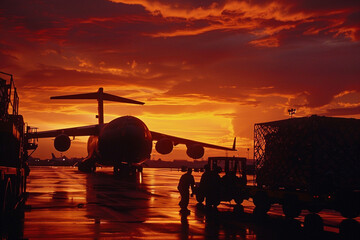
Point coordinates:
[(291, 112)]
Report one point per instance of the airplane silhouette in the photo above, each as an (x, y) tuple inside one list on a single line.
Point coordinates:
[(55, 159), (123, 143)]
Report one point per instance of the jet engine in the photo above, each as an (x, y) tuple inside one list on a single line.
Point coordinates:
[(62, 142), (195, 151), (164, 146)]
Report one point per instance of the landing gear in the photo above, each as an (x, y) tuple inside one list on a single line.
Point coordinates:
[(127, 169), (349, 229), (262, 203), (238, 209), (200, 197), (87, 167), (291, 206), (313, 223)]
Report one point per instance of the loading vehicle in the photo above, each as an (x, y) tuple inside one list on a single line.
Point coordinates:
[(13, 147), (230, 186)]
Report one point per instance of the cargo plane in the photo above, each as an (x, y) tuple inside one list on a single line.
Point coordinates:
[(123, 143)]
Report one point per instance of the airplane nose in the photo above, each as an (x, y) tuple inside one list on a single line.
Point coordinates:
[(132, 133), (126, 144)]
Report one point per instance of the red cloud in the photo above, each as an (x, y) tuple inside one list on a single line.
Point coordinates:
[(187, 47)]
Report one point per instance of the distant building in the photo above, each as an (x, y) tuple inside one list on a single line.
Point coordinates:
[(54, 161), (174, 164)]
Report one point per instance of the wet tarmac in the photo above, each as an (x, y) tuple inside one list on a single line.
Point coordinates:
[(64, 203)]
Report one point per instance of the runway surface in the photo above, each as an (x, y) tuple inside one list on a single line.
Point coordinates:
[(65, 203)]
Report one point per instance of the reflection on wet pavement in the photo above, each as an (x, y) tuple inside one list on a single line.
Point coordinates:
[(65, 203)]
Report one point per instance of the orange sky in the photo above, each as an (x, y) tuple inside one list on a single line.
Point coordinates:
[(207, 70)]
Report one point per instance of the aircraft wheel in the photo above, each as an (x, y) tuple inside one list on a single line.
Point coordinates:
[(200, 198), (349, 229), (86, 167), (313, 223), (259, 213), (291, 206), (262, 202), (238, 209)]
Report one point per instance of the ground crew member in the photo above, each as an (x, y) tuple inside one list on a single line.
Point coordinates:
[(229, 184), (213, 195), (204, 180), (186, 181)]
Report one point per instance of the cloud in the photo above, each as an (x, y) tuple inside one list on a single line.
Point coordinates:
[(343, 111), (252, 16), (54, 76), (7, 61)]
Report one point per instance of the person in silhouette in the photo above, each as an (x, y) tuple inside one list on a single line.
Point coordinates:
[(186, 181), (204, 185), (213, 183), (229, 183)]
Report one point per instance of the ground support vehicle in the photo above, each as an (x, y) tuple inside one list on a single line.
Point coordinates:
[(13, 148), (308, 163), (231, 186)]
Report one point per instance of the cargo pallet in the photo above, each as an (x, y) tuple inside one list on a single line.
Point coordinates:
[(307, 163)]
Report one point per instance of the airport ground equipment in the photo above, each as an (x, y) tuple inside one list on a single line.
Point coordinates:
[(231, 185), (308, 163), (13, 147)]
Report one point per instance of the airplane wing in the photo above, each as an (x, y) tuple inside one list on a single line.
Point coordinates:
[(176, 140), (76, 131)]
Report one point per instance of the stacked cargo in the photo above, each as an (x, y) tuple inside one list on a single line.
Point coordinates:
[(318, 154)]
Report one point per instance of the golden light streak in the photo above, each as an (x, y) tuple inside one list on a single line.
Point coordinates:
[(266, 42), (344, 93), (273, 10)]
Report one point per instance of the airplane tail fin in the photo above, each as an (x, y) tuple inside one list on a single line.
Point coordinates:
[(100, 96), (234, 145)]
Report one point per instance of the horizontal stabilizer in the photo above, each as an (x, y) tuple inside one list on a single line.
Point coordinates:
[(110, 97), (99, 96), (78, 96)]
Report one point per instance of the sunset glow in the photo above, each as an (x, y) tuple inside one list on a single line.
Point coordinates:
[(206, 70)]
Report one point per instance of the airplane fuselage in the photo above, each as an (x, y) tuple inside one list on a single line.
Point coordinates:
[(123, 140)]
